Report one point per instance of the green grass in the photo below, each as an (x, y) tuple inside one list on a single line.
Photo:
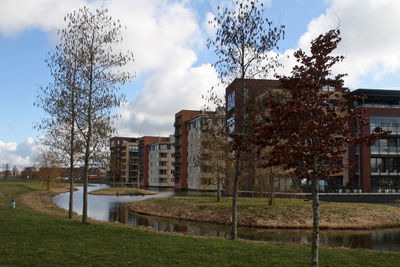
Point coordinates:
[(29, 238)]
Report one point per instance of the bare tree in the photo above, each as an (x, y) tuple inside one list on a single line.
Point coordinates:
[(7, 171), (242, 41), (98, 36), (60, 101), (49, 170)]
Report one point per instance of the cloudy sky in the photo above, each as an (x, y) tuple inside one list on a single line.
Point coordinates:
[(172, 64)]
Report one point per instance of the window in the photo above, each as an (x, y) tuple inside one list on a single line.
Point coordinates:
[(163, 155), (163, 171), (386, 123), (231, 124), (328, 88), (231, 101), (133, 149)]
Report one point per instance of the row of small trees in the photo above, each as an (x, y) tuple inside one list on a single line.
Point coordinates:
[(86, 67)]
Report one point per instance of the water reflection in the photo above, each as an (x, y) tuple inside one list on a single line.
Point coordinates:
[(113, 208), (99, 206)]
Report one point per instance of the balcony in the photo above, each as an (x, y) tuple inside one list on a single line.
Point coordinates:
[(177, 164), (178, 132), (178, 123), (177, 144)]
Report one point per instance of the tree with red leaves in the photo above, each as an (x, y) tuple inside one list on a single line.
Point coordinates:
[(308, 130)]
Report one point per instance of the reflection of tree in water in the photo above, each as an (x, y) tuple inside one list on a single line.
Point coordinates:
[(119, 213)]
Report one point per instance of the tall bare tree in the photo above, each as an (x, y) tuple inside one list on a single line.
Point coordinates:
[(242, 41), (100, 71), (60, 101)]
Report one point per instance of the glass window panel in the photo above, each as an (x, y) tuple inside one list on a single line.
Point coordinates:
[(383, 146), (379, 164), (374, 167), (388, 164)]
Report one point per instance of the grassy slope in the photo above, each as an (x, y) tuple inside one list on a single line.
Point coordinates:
[(287, 213), (31, 238)]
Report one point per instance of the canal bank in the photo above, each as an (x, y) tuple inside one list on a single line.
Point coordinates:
[(116, 209)]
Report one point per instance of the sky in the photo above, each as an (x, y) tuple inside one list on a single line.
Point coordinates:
[(173, 67)]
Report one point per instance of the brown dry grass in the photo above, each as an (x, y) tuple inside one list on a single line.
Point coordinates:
[(287, 213), (41, 200), (121, 191)]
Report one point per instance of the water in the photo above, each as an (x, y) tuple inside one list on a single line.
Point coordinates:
[(99, 206), (113, 208)]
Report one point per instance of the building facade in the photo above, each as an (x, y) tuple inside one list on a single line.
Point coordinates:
[(377, 167), (205, 154), (244, 107), (144, 157), (124, 161), (181, 147), (161, 163)]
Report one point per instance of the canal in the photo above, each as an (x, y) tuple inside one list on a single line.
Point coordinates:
[(113, 208)]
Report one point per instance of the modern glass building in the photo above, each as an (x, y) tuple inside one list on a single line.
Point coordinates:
[(378, 166)]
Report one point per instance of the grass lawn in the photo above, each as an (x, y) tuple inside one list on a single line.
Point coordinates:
[(31, 238), (286, 213)]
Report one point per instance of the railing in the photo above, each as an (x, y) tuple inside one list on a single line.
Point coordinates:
[(371, 105)]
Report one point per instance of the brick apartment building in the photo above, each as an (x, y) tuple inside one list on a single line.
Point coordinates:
[(181, 147), (377, 166), (242, 104), (124, 161)]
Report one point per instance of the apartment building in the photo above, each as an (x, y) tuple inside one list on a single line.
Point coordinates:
[(205, 157), (377, 167), (124, 161), (243, 107), (144, 157), (161, 163), (181, 147)]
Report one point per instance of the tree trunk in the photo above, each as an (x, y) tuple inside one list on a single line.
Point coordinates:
[(235, 196), (48, 183), (71, 163), (218, 189), (71, 195), (271, 190), (85, 187), (315, 235), (89, 135)]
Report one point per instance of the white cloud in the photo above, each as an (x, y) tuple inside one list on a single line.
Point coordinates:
[(17, 16), (370, 38), (20, 155), (163, 36), (165, 93)]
